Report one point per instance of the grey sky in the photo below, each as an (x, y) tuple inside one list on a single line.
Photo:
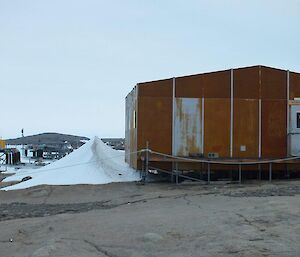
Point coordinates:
[(66, 66)]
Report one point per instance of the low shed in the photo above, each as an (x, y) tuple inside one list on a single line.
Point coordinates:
[(243, 113)]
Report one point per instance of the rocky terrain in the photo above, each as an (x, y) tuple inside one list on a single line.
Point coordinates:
[(156, 219)]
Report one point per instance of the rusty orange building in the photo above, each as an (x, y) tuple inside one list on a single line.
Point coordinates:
[(243, 113)]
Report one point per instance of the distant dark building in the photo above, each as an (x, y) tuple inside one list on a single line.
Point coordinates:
[(12, 156), (115, 143)]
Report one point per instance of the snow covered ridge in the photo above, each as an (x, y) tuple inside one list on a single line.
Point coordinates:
[(92, 163)]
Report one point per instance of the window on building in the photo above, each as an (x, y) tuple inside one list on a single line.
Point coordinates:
[(134, 119), (298, 119)]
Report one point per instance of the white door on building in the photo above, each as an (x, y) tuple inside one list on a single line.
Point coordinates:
[(294, 130)]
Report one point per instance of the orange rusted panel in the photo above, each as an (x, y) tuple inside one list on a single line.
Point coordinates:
[(190, 86), (273, 83), (274, 139), (294, 85), (216, 84), (246, 83), (155, 123), (159, 88), (245, 128), (130, 128), (217, 126), (208, 85)]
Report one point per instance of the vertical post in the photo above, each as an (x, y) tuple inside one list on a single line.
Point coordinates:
[(136, 115), (240, 173), (202, 126), (173, 116), (146, 162), (259, 116), (270, 171), (231, 112), (259, 128), (208, 173), (287, 171), (143, 167), (172, 173), (259, 171), (176, 170), (288, 111)]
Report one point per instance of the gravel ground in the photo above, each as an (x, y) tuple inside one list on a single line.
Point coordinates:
[(126, 219)]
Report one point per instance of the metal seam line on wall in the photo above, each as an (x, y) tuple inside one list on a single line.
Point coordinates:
[(202, 125), (231, 112), (173, 117), (260, 114), (287, 111), (259, 128), (137, 116)]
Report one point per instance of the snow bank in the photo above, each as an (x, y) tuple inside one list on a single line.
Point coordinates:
[(93, 163)]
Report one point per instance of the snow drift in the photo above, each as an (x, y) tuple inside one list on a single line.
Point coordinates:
[(93, 163)]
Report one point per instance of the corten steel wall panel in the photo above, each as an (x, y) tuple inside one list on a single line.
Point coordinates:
[(133, 157), (128, 118), (130, 129), (246, 83), (160, 88), (273, 83), (155, 123), (187, 131), (245, 128), (294, 85), (216, 84), (190, 86), (208, 85), (217, 126), (274, 140)]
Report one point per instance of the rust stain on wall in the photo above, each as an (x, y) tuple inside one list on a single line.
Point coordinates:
[(274, 140), (130, 128), (294, 85), (273, 83), (217, 126), (187, 131), (155, 112), (155, 123), (246, 128), (246, 83)]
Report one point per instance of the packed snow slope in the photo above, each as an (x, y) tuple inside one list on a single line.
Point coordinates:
[(92, 163)]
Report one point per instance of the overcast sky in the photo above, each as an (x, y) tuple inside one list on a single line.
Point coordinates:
[(66, 65)]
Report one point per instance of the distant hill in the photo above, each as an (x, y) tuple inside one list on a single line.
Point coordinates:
[(48, 139)]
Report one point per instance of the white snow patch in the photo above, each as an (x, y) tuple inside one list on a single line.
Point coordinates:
[(92, 163)]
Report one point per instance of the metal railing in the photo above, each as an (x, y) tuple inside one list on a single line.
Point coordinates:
[(146, 158)]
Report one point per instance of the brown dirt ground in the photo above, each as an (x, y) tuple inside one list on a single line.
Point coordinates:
[(156, 219)]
